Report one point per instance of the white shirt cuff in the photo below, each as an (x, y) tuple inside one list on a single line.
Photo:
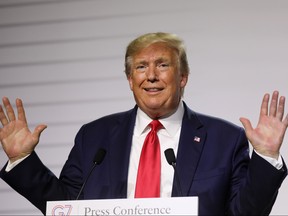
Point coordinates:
[(277, 163), (10, 165)]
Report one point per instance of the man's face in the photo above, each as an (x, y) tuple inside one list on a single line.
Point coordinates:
[(156, 80)]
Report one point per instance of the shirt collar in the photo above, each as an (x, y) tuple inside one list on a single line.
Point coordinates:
[(172, 123)]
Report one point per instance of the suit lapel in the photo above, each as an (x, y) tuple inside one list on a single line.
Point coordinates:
[(120, 146), (191, 143)]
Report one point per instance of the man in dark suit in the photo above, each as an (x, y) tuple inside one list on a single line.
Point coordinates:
[(213, 160)]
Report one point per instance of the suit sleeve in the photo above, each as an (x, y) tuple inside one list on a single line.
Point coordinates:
[(258, 190), (33, 180)]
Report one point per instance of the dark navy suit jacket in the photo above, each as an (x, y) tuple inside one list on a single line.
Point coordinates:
[(212, 161)]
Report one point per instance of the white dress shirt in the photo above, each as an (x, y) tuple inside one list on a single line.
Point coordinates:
[(168, 138)]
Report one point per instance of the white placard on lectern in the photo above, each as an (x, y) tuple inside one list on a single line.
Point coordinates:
[(142, 206)]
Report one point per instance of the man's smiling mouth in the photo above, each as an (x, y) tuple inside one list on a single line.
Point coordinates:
[(153, 89)]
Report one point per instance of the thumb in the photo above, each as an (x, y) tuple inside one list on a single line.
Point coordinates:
[(246, 124), (38, 130)]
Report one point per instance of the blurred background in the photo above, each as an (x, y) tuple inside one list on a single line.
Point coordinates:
[(65, 59)]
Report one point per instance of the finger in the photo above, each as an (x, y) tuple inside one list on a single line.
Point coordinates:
[(264, 105), (273, 104), (247, 125), (38, 130), (20, 110), (3, 118), (281, 108), (9, 109)]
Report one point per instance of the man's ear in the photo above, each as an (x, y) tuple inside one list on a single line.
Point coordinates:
[(183, 81), (130, 80)]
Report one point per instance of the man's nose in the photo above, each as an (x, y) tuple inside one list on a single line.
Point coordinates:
[(152, 73)]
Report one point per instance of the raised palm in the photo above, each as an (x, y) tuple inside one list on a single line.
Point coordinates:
[(16, 138), (269, 133)]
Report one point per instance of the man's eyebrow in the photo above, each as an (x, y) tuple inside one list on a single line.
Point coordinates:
[(141, 62), (162, 59)]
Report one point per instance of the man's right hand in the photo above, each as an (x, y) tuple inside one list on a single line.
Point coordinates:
[(16, 138)]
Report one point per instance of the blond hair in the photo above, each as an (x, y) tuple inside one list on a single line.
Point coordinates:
[(146, 40)]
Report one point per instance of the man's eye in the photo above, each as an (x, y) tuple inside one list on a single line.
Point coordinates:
[(163, 65), (140, 67)]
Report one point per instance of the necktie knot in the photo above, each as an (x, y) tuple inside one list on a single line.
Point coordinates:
[(155, 125)]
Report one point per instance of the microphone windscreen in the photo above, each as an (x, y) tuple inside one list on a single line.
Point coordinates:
[(99, 156), (170, 156)]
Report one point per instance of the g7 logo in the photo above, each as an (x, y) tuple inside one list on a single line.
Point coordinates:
[(60, 210)]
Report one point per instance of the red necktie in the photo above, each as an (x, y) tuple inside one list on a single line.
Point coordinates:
[(148, 177)]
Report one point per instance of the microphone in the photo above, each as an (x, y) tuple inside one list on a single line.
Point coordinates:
[(171, 159), (99, 157)]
